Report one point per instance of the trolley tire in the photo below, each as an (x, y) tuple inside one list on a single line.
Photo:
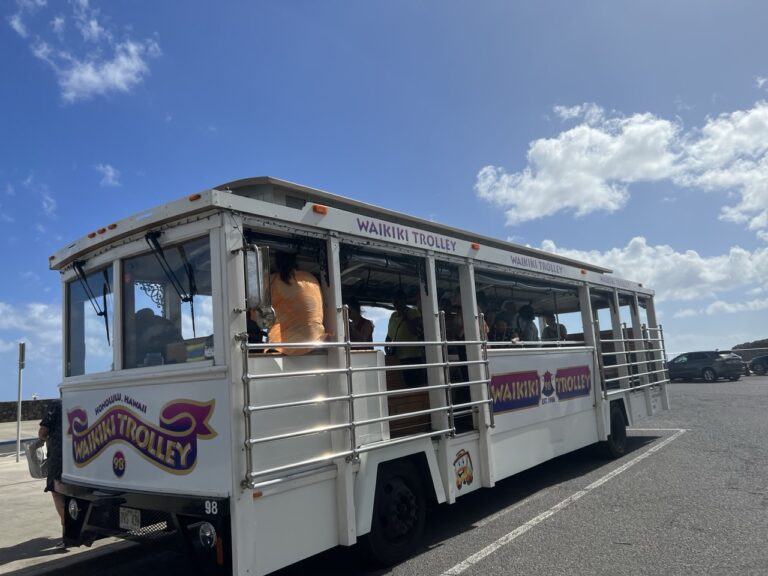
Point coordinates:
[(709, 375), (616, 445), (399, 514)]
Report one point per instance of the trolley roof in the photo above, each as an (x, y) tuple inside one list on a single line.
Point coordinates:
[(280, 194)]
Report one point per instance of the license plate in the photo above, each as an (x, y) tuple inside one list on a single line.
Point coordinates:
[(130, 519)]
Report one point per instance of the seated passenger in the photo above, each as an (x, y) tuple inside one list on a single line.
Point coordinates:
[(553, 330), (501, 332), (298, 303), (360, 328), (158, 340), (528, 330)]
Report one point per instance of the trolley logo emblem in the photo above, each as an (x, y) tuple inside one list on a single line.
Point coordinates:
[(171, 445), (462, 466), (517, 390)]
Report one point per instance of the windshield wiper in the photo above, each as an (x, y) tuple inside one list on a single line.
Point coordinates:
[(157, 250), (81, 276)]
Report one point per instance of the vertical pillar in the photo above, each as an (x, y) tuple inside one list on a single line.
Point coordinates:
[(476, 371), (339, 411), (591, 339)]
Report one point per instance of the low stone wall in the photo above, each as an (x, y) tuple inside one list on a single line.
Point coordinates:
[(30, 410)]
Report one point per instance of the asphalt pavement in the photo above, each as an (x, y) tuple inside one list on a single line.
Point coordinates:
[(31, 527), (689, 498)]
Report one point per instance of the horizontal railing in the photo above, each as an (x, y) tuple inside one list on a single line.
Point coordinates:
[(639, 363), (351, 425)]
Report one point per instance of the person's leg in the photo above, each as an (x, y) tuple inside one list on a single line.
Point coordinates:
[(58, 502)]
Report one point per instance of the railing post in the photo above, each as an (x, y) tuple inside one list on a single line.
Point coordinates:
[(350, 389), (243, 339), (447, 372), (486, 368)]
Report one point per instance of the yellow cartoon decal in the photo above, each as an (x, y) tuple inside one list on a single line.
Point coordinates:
[(462, 465)]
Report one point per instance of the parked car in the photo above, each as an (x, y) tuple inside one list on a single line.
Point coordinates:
[(759, 365), (709, 366)]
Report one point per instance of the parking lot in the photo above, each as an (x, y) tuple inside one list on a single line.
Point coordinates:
[(689, 497)]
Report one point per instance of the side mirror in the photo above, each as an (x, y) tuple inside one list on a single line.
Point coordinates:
[(257, 287)]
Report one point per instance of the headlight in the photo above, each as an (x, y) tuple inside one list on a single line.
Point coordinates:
[(74, 509), (207, 535)]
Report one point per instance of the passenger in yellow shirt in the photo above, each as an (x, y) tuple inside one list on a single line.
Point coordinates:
[(405, 326)]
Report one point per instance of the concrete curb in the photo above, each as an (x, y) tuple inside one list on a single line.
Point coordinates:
[(6, 442)]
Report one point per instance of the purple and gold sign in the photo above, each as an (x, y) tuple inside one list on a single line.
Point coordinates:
[(171, 445), (573, 382), (515, 390)]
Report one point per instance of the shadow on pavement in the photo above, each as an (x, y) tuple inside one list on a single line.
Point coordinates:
[(447, 522), (35, 548)]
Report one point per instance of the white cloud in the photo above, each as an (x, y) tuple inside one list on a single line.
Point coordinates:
[(685, 313), (678, 275), (90, 61), (591, 166), (110, 175), (7, 346), (721, 307), (592, 113), (36, 323), (83, 79), (58, 24), (47, 201), (49, 205), (4, 216), (18, 25), (760, 81)]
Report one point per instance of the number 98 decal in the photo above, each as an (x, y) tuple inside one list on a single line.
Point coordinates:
[(118, 464), (211, 507)]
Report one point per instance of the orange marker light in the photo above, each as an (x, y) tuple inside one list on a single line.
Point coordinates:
[(51, 258), (319, 209), (92, 235), (101, 230), (257, 494), (475, 246), (111, 226), (194, 197)]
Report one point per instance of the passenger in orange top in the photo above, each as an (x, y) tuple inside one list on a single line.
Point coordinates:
[(298, 303)]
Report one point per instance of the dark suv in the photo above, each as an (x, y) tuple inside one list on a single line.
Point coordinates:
[(759, 365), (709, 366)]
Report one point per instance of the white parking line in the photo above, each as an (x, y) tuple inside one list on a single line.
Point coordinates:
[(508, 509), (520, 530)]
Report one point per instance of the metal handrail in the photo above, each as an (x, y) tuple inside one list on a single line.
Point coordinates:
[(352, 424), (609, 393), (546, 344), (297, 403), (285, 467), (298, 433)]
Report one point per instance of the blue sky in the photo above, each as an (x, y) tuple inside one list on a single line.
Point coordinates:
[(630, 134)]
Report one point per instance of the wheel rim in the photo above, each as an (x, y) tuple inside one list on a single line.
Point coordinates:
[(399, 511), (709, 375)]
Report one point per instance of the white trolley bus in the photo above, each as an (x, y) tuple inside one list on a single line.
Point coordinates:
[(257, 459)]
